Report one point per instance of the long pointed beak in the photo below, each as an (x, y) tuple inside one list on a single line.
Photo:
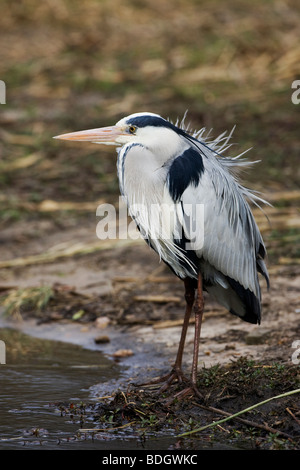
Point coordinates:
[(103, 135)]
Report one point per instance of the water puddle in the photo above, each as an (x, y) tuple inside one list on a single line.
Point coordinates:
[(42, 378), (38, 374)]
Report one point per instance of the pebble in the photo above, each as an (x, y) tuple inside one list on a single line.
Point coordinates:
[(102, 322), (123, 353), (102, 339)]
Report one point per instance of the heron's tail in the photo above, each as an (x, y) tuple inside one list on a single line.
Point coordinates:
[(238, 300)]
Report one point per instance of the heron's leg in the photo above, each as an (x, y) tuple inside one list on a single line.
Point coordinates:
[(189, 298), (199, 308), (176, 372)]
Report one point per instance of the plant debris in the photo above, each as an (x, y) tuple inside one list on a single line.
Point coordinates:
[(226, 390)]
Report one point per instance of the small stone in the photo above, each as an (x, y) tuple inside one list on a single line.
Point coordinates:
[(102, 322), (258, 336), (123, 353), (102, 339)]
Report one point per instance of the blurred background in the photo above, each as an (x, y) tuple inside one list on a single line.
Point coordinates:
[(72, 65)]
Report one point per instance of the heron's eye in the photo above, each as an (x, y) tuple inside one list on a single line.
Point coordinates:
[(132, 129)]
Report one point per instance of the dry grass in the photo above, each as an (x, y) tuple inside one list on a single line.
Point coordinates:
[(71, 65), (18, 300)]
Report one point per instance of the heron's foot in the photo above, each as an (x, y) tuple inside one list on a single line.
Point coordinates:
[(190, 391), (176, 375)]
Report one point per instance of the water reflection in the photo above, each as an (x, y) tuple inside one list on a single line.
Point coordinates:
[(38, 374), (43, 387)]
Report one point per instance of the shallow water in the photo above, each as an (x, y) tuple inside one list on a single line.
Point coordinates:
[(41, 377), (38, 375)]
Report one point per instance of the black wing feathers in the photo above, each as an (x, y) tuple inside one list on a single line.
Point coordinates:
[(184, 170)]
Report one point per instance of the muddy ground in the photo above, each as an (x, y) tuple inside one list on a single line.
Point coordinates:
[(131, 307), (69, 67)]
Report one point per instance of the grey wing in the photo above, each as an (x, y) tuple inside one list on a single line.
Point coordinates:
[(227, 237)]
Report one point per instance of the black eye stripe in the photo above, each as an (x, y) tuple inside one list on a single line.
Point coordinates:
[(156, 121), (146, 120)]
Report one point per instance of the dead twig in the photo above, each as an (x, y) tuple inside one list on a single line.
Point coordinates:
[(106, 429), (157, 298), (170, 323), (235, 415), (247, 422), (68, 251), (293, 416)]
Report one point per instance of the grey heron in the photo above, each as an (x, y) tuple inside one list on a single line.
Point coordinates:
[(163, 166)]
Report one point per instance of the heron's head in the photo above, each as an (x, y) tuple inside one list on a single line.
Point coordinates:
[(147, 129)]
